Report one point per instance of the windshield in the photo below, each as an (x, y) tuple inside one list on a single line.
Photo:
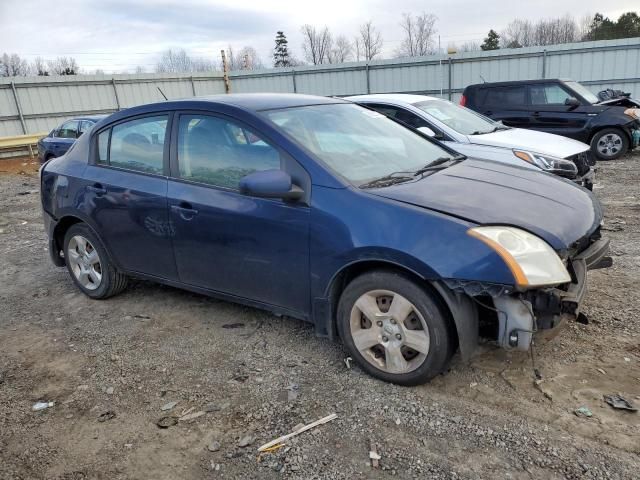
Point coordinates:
[(583, 91), (357, 143), (461, 119)]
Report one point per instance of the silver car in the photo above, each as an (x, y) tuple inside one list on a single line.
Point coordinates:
[(475, 135)]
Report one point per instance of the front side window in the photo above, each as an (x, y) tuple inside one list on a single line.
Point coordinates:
[(68, 129), (460, 119), (506, 96), (359, 144), (138, 144), (403, 115), (220, 152), (583, 91), (549, 94)]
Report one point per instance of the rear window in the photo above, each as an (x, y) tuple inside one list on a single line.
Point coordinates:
[(505, 96)]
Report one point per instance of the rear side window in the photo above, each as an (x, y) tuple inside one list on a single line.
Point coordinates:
[(401, 114), (549, 94), (103, 146), (136, 145), (68, 129), (506, 96), (219, 152)]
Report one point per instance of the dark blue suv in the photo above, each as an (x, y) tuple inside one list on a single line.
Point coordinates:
[(325, 211), (61, 138)]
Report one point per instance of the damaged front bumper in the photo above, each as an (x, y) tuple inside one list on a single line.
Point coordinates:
[(542, 312)]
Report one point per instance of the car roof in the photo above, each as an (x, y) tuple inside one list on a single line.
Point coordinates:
[(94, 118), (400, 98), (264, 101), (518, 82)]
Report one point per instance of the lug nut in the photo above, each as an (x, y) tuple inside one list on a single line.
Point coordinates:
[(379, 323), (393, 321), (385, 339), (398, 336)]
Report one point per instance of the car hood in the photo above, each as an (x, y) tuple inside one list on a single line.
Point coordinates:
[(531, 140), (491, 193)]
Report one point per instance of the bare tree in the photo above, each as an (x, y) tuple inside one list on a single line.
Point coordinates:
[(316, 44), (177, 61), (249, 59), (419, 35), (39, 67), (368, 43), (63, 66), (342, 50), (470, 46), (13, 66), (139, 69), (552, 31)]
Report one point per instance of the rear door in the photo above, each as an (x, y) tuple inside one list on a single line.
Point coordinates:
[(550, 114), (248, 247), (126, 194), (507, 103)]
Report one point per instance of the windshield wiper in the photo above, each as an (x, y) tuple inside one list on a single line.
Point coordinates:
[(388, 180), (437, 164)]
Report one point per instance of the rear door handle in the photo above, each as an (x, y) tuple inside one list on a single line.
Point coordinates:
[(97, 189), (184, 210), (535, 114)]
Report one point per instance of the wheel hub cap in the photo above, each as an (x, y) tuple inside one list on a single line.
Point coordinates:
[(84, 262)]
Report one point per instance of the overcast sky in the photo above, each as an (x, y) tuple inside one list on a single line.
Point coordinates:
[(117, 35)]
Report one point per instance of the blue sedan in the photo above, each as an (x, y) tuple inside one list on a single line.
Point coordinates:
[(325, 211), (61, 138)]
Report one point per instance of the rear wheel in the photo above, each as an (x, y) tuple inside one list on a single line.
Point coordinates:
[(394, 328), (89, 265), (609, 144)]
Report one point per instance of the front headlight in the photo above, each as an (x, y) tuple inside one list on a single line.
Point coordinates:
[(633, 113), (531, 260), (549, 163)]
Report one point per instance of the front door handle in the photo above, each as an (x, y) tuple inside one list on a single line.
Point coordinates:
[(97, 189), (184, 210)]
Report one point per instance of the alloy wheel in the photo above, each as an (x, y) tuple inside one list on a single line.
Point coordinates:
[(84, 261), (389, 331), (610, 144)]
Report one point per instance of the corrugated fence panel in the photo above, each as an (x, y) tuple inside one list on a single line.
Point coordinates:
[(47, 101), (267, 83)]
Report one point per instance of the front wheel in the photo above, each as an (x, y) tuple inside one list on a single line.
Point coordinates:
[(609, 144), (394, 328), (89, 265)]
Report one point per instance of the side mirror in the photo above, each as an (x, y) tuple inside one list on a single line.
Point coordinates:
[(270, 184), (427, 131), (572, 102)]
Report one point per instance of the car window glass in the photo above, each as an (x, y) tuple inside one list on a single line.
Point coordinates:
[(460, 119), (548, 95), (357, 143), (506, 96), (401, 114), (139, 144), (68, 130), (220, 152), (85, 126), (103, 146), (583, 91)]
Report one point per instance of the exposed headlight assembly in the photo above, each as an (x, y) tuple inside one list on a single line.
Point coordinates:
[(549, 163), (633, 112), (531, 260)]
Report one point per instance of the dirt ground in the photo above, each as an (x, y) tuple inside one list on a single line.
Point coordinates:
[(256, 376)]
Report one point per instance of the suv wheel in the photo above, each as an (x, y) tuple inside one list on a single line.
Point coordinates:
[(89, 265), (394, 328), (609, 144)]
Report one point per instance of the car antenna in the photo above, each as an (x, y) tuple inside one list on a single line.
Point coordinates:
[(162, 93), (483, 80)]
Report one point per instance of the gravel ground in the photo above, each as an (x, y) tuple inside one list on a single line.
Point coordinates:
[(255, 376)]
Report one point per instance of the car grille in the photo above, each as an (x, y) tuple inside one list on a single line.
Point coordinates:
[(583, 161)]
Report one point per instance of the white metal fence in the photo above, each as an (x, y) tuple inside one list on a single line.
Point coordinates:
[(37, 104)]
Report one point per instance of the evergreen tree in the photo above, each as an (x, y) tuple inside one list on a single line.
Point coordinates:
[(281, 51), (492, 42)]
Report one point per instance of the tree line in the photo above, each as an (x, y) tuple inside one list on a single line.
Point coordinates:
[(320, 46)]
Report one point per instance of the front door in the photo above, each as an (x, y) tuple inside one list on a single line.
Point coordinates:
[(550, 114), (253, 248), (126, 195)]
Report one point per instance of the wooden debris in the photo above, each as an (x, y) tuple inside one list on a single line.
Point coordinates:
[(284, 438)]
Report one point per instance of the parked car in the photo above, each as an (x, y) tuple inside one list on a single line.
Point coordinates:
[(477, 136), (323, 210), (563, 107), (61, 138)]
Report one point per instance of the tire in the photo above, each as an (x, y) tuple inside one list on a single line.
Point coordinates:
[(89, 265), (382, 346), (609, 144)]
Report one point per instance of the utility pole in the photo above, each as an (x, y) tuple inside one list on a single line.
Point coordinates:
[(225, 72)]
